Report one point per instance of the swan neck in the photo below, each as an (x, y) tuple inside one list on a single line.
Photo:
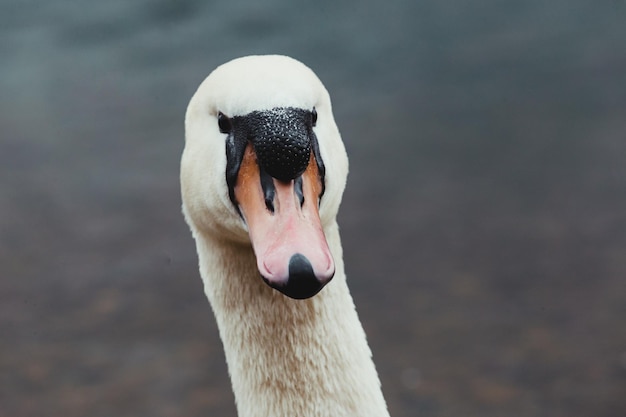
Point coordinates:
[(289, 357)]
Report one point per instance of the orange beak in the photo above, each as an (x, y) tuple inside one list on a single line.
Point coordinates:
[(286, 233)]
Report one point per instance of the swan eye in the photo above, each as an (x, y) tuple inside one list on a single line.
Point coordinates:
[(224, 123), (314, 117)]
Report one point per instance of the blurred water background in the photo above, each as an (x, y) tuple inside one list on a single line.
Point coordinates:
[(484, 223)]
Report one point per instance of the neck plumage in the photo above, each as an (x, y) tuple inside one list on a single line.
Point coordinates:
[(289, 357)]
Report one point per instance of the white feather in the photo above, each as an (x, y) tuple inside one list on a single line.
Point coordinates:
[(285, 357)]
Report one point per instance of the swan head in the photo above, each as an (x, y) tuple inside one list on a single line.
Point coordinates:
[(264, 165)]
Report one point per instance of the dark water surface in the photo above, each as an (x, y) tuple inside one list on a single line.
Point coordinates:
[(484, 223)]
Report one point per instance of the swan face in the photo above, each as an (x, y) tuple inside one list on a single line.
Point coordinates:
[(264, 164)]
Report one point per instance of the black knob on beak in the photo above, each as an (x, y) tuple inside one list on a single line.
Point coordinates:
[(281, 140)]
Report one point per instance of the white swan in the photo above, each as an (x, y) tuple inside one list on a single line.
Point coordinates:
[(262, 175)]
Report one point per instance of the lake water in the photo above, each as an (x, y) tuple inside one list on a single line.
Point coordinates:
[(484, 222)]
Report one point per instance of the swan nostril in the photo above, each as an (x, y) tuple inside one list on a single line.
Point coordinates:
[(298, 189), (269, 191)]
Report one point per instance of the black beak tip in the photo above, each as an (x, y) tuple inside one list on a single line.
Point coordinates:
[(302, 282)]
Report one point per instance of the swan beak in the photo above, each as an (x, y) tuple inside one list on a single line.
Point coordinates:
[(285, 228)]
